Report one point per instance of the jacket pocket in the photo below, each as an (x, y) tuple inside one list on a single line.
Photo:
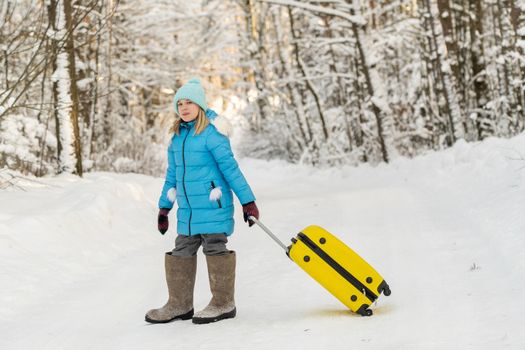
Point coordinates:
[(216, 194)]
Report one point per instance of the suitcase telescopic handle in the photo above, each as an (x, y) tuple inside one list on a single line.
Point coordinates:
[(267, 230)]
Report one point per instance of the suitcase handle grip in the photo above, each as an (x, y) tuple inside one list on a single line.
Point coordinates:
[(267, 230)]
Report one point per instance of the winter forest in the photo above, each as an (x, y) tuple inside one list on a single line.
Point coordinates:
[(88, 85)]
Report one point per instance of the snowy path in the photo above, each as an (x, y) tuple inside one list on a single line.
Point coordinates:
[(82, 262)]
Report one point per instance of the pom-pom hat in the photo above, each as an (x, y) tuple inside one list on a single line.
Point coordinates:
[(192, 91)]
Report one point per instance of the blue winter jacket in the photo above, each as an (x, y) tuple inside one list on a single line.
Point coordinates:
[(198, 164)]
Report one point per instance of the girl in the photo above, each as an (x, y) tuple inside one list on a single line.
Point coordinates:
[(201, 175)]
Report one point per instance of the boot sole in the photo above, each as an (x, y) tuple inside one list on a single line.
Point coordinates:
[(183, 317), (205, 320)]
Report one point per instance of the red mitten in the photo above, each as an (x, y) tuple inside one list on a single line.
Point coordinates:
[(250, 209), (162, 220)]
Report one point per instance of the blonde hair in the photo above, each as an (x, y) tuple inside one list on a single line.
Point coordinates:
[(201, 123)]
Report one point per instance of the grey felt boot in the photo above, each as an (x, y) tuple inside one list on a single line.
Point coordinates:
[(221, 273), (180, 276)]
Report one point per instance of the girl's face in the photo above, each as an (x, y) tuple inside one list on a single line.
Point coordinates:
[(188, 110)]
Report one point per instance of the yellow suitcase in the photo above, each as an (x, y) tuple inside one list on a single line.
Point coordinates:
[(336, 267)]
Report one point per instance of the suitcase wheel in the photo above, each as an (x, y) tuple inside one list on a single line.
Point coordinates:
[(364, 310), (384, 288)]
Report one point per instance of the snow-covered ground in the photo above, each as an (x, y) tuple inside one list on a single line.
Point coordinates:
[(81, 260)]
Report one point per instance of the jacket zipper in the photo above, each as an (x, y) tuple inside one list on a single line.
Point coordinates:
[(218, 200), (183, 182)]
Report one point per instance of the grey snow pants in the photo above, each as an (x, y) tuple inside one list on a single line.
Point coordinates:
[(212, 244)]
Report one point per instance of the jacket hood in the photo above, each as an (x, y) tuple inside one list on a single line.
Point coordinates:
[(222, 124)]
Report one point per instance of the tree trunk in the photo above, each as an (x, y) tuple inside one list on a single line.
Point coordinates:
[(308, 81), (445, 17), (70, 48), (442, 70), (107, 130), (382, 134), (255, 30), (94, 94), (296, 103), (477, 51), (64, 89), (52, 13)]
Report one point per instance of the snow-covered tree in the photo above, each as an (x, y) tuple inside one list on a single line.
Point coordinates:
[(317, 82)]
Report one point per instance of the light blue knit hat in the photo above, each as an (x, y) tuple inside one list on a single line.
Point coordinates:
[(192, 91)]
